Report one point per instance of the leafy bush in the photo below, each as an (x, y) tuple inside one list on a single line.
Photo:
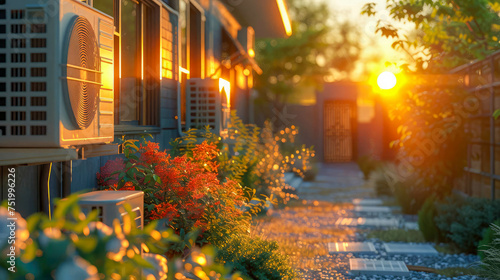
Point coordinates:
[(255, 258), (426, 222), (378, 181), (487, 242), (183, 191), (298, 158), (74, 246), (310, 174), (490, 264), (411, 196), (462, 220), (409, 191), (367, 164), (254, 157)]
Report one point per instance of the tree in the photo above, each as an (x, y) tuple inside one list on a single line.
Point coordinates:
[(317, 48), (432, 107), (446, 33)]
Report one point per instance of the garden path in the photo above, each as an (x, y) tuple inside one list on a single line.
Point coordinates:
[(304, 229)]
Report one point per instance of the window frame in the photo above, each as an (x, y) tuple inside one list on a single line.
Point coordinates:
[(148, 85), (185, 72)]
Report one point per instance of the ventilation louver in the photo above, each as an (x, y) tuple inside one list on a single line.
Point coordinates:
[(83, 72), (207, 104)]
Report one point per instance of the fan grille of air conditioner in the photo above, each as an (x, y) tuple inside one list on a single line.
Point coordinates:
[(83, 72), (23, 70)]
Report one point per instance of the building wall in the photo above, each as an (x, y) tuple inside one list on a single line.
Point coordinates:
[(369, 135), (29, 183)]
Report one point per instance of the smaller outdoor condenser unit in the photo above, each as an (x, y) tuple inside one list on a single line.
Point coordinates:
[(110, 205), (56, 74), (208, 103)]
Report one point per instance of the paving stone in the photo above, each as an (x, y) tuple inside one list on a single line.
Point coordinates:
[(351, 247), (409, 249), (367, 202), (295, 182), (377, 267), (411, 225), (289, 176), (372, 209), (368, 222)]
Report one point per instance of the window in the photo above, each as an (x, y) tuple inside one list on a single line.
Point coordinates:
[(196, 50), (150, 107), (130, 61), (192, 48), (184, 30), (137, 60)]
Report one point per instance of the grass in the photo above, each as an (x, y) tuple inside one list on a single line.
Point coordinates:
[(457, 271), (448, 249), (397, 235)]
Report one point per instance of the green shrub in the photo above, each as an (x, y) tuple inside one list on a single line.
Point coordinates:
[(487, 242), (255, 258), (71, 245), (409, 192), (367, 164), (378, 181), (426, 222), (411, 196), (490, 264), (310, 174), (254, 157), (462, 220)]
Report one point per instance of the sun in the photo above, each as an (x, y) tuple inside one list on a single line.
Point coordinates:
[(386, 80)]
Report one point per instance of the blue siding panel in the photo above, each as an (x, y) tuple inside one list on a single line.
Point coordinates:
[(84, 174)]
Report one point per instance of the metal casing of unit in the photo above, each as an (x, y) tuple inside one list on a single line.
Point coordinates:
[(56, 89), (110, 205)]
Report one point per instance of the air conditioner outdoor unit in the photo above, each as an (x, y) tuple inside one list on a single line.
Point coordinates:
[(56, 74), (208, 103), (110, 205)]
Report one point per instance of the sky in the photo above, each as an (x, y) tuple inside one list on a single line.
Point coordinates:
[(373, 44)]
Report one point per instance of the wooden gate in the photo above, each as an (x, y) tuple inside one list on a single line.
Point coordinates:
[(339, 127)]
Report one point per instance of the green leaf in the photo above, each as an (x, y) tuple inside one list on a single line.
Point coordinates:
[(134, 157), (369, 9), (148, 178), (86, 244), (151, 226), (65, 206), (30, 252), (496, 114), (142, 262), (157, 178), (130, 173), (150, 207)]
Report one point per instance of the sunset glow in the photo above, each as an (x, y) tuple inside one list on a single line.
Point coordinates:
[(386, 80)]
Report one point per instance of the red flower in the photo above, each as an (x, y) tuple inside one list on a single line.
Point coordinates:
[(188, 193), (107, 170)]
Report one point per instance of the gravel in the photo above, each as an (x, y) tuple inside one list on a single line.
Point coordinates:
[(340, 265), (342, 183)]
